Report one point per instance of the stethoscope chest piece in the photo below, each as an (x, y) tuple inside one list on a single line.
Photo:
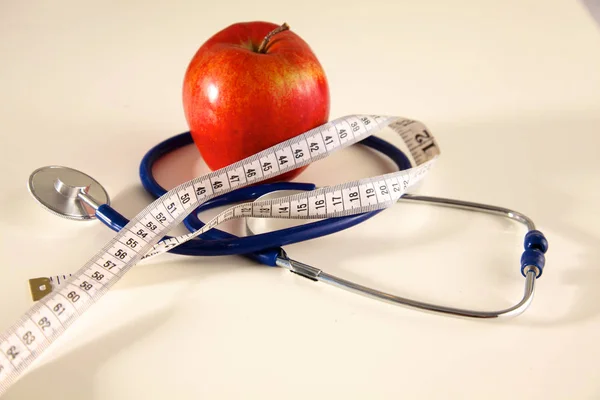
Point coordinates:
[(67, 192)]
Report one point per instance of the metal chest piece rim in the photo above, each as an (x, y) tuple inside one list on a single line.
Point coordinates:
[(65, 192)]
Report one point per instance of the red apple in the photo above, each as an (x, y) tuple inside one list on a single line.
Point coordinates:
[(251, 86)]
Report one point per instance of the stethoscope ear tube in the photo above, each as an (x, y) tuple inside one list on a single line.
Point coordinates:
[(532, 265)]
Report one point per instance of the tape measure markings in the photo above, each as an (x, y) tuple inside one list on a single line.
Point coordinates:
[(21, 344), (363, 187)]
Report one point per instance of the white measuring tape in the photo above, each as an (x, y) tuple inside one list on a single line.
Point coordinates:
[(45, 321)]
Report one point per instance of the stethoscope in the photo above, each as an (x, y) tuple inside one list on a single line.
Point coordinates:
[(57, 188)]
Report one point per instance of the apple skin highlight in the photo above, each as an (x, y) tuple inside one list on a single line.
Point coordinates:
[(238, 101)]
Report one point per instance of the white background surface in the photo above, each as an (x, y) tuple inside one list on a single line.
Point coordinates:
[(510, 89)]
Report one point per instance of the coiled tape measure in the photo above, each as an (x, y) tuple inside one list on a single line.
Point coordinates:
[(47, 319)]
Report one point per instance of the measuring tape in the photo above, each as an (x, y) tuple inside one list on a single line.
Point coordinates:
[(140, 239)]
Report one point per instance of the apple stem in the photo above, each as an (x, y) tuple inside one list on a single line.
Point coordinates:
[(263, 46)]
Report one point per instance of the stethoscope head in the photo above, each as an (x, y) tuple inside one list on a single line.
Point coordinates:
[(67, 192)]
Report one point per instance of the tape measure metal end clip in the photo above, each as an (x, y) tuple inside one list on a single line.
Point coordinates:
[(39, 288), (43, 286)]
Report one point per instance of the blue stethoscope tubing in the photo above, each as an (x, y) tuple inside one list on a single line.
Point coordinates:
[(264, 248)]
